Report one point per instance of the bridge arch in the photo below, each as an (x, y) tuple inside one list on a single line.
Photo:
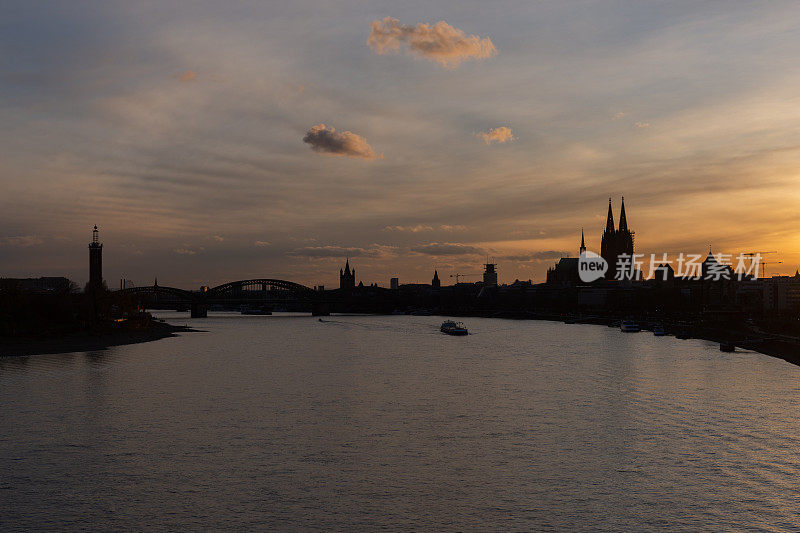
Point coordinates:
[(263, 284), (158, 290)]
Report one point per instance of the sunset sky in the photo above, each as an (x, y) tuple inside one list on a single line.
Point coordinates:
[(213, 141)]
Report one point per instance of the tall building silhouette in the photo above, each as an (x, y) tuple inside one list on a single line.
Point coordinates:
[(583, 244), (490, 275), (347, 278), (435, 283), (616, 242), (95, 261)]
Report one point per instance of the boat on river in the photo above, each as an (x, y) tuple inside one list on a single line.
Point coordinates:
[(630, 326), (453, 328)]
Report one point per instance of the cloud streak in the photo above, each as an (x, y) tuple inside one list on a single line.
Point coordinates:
[(425, 227), (446, 248), (22, 240), (318, 252), (544, 255), (501, 134), (440, 42), (328, 141)]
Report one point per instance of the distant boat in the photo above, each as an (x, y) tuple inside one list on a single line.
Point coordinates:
[(629, 326), (683, 334), (727, 347), (658, 330), (454, 328)]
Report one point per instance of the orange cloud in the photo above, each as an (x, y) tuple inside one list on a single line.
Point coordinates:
[(346, 143), (441, 42), (498, 135), (188, 76)]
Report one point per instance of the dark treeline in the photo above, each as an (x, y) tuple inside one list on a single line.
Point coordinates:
[(60, 310)]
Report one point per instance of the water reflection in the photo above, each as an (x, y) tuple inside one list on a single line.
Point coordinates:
[(367, 422)]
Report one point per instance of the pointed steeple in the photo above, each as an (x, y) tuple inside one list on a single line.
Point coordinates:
[(435, 282), (623, 221), (583, 243), (347, 267), (610, 219)]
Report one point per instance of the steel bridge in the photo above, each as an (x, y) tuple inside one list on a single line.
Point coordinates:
[(259, 291)]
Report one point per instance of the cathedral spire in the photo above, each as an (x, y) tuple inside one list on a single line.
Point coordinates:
[(623, 221), (610, 219), (583, 243)]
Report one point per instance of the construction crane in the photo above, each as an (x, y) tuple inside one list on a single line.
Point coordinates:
[(759, 254), (458, 276)]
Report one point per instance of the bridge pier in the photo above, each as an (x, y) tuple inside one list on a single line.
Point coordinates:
[(199, 310)]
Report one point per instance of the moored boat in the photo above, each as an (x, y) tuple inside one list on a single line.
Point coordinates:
[(629, 326), (453, 328), (658, 330)]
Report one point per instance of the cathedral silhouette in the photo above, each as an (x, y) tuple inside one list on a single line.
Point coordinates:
[(616, 242)]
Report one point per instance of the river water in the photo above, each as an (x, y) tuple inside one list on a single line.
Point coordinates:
[(368, 422)]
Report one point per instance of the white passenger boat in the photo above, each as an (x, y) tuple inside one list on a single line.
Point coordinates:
[(453, 328)]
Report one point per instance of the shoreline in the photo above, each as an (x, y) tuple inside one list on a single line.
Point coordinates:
[(87, 342), (772, 345)]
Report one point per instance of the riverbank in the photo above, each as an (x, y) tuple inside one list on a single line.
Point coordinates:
[(88, 341)]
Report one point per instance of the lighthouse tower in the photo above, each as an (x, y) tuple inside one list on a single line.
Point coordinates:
[(95, 262)]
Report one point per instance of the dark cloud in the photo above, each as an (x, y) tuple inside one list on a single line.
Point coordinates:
[(345, 143), (446, 248)]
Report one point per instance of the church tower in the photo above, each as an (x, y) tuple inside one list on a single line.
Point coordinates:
[(347, 278), (616, 242), (583, 244), (435, 283), (624, 235), (607, 244), (95, 262)]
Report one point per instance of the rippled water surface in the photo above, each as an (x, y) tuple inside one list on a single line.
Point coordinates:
[(366, 422)]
